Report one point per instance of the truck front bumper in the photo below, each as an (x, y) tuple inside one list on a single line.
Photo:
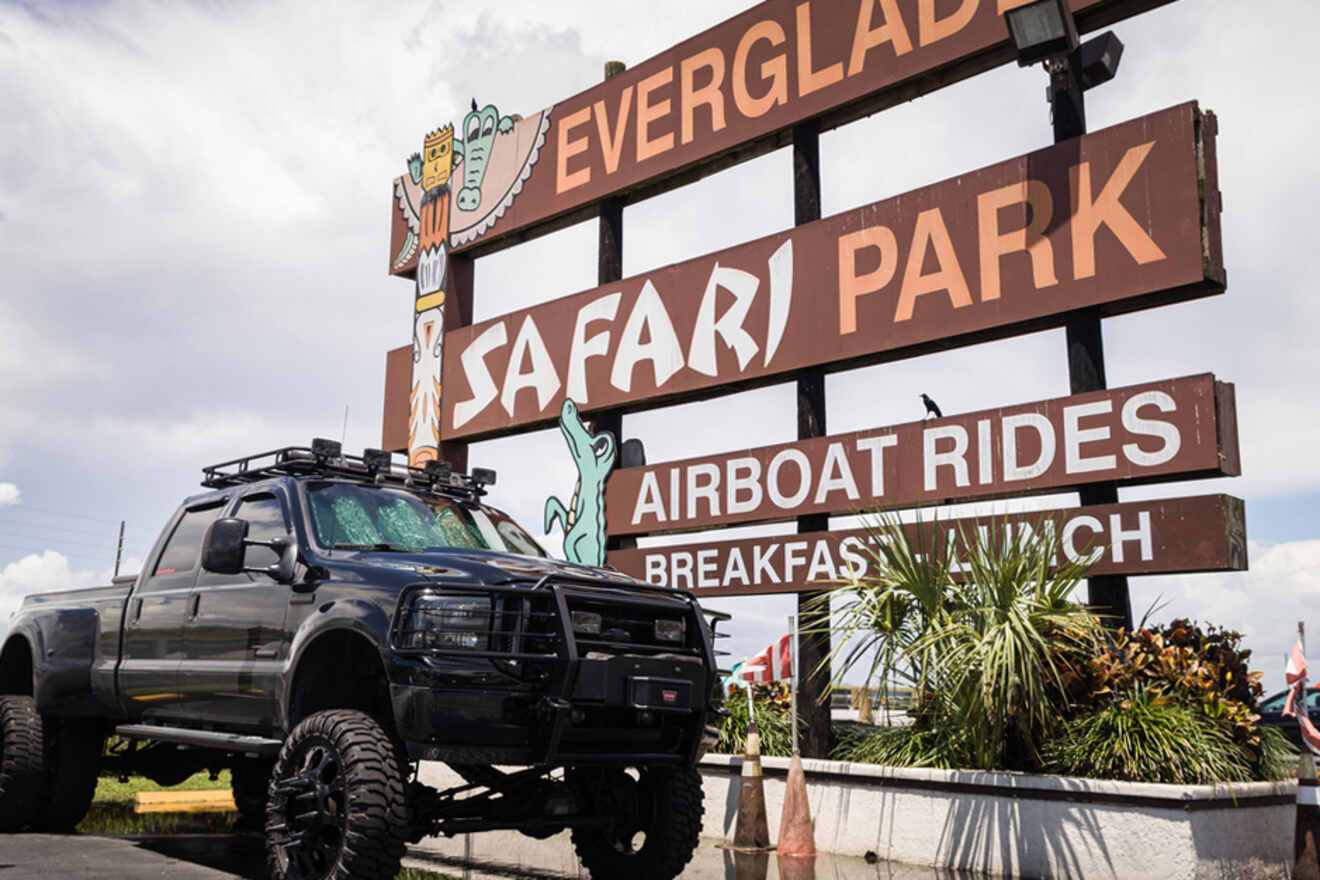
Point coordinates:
[(579, 702)]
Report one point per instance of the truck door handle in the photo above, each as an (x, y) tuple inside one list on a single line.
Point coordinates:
[(193, 602), (137, 610)]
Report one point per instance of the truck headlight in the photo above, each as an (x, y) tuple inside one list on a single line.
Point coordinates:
[(586, 622), (447, 622), (670, 630)]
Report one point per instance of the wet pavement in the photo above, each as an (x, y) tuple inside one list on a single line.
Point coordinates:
[(491, 856), (501, 855)]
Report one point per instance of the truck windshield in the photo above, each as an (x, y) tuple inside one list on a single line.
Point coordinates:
[(365, 517)]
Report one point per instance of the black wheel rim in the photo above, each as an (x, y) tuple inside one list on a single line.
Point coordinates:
[(633, 805), (310, 811)]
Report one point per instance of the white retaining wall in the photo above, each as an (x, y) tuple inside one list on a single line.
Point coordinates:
[(1007, 823), (1030, 826)]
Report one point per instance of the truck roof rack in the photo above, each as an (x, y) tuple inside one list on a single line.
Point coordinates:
[(325, 458)]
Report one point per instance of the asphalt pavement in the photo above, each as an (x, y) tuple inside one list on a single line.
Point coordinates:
[(139, 857), (490, 856)]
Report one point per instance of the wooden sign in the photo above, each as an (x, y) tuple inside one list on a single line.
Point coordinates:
[(1205, 533), (720, 97), (1177, 429), (1123, 219)]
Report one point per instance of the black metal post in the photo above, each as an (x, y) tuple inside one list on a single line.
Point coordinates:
[(460, 276), (609, 268), (813, 625), (1108, 594)]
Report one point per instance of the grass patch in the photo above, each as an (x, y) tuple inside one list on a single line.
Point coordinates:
[(109, 788), (112, 808)]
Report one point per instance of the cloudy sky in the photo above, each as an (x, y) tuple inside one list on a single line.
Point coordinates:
[(194, 204)]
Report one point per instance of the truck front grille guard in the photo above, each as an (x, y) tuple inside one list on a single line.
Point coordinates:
[(530, 624)]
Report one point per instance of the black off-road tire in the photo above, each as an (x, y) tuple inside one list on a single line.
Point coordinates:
[(665, 804), (250, 781), (337, 804), (72, 757), (22, 773)]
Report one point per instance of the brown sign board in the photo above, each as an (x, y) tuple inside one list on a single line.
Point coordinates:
[(394, 422), (1121, 219), (1176, 429), (723, 96), (1177, 535)]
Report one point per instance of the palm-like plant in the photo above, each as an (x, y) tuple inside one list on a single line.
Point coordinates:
[(984, 641)]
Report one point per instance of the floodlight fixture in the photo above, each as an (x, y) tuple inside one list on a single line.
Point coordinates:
[(1042, 30), (1098, 58), (438, 471), (377, 460), (325, 449), (483, 476)]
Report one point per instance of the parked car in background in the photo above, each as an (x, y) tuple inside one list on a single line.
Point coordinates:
[(1271, 714)]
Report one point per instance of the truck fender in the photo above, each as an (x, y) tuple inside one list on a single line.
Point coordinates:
[(360, 617), (16, 665), (63, 647)]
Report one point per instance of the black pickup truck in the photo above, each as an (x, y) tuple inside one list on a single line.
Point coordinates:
[(318, 623)]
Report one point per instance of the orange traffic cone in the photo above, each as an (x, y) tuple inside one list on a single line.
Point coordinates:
[(797, 835), (791, 868), (1306, 836), (752, 833)]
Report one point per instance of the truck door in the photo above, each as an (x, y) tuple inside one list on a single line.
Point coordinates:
[(157, 609), (234, 639)]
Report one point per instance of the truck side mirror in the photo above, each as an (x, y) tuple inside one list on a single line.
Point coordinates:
[(283, 570), (224, 546)]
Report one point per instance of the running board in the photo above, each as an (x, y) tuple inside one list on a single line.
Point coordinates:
[(204, 739)]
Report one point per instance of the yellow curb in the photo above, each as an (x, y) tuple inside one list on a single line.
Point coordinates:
[(215, 801)]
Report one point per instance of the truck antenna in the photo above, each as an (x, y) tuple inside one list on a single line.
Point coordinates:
[(119, 551)]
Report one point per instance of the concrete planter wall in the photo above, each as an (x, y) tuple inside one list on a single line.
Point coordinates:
[(1029, 826)]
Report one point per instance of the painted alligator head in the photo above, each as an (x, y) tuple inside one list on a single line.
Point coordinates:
[(479, 128), (593, 455)]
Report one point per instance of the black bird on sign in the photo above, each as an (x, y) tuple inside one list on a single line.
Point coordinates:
[(932, 408)]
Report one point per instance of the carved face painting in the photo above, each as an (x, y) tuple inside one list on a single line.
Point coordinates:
[(437, 158)]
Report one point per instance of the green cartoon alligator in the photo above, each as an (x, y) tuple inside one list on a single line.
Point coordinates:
[(584, 521), (474, 147)]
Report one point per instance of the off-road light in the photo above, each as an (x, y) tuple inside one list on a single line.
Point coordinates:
[(1040, 30), (670, 630), (377, 460), (323, 449), (586, 622), (438, 471), (483, 476), (1098, 59)]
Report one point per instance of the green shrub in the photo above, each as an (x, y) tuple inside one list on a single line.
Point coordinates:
[(984, 641), (1148, 736), (774, 720), (1277, 757), (1203, 666), (942, 747)]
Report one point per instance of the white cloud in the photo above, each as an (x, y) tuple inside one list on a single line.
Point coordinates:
[(9, 495), (36, 573)]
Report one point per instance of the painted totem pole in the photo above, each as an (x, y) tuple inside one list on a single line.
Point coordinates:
[(433, 168)]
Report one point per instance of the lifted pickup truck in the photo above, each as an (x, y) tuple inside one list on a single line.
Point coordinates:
[(318, 623)]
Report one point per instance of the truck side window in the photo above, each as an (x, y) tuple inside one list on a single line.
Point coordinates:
[(265, 517), (184, 547)]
